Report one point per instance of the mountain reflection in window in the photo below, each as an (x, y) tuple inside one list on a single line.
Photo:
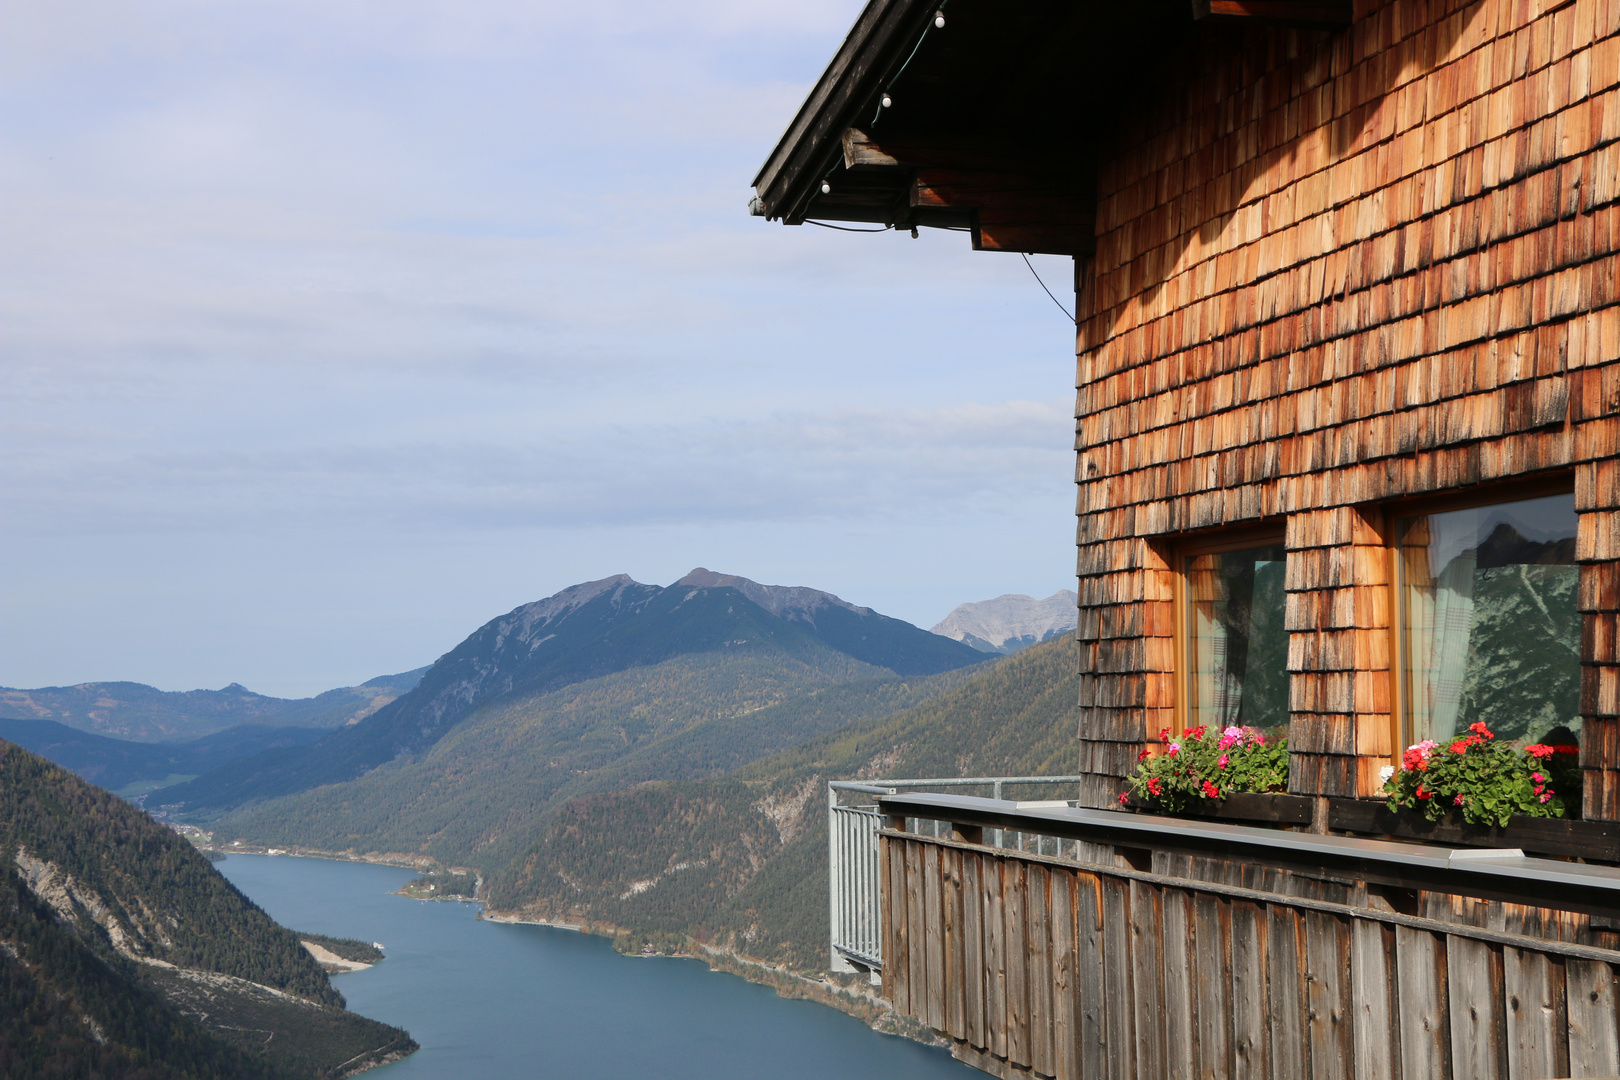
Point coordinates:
[(1491, 630), (1237, 645)]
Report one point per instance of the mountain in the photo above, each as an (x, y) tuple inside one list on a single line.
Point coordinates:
[(134, 711), (483, 793), (124, 950), (741, 859), (1011, 622), (592, 631), (130, 768)]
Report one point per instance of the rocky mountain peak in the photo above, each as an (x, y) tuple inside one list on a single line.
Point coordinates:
[(793, 602), (572, 597), (1011, 622)]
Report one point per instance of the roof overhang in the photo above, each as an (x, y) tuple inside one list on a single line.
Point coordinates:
[(994, 112)]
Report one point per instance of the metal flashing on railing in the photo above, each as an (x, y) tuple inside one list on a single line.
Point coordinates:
[(1500, 874)]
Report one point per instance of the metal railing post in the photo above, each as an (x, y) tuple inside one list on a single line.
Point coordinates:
[(854, 872), (997, 795)]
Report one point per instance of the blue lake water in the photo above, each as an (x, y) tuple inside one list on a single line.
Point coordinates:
[(493, 1001)]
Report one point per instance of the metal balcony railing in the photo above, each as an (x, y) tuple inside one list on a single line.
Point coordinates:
[(855, 882)]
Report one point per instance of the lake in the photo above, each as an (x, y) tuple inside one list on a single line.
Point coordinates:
[(494, 1001)]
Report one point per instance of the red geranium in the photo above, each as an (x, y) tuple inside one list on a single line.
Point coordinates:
[(1487, 779)]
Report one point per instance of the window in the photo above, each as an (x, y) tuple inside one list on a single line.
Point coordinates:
[(1235, 645), (1489, 626)]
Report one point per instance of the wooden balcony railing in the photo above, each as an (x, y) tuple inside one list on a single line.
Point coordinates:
[(1154, 947)]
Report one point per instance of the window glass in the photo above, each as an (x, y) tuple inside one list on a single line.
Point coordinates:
[(1491, 631), (1237, 646)]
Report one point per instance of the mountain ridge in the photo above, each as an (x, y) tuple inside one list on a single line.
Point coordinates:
[(740, 860), (590, 630), (1010, 622), (140, 713), (126, 766)]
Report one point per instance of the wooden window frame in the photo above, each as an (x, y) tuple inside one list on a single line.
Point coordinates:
[(1237, 539), (1521, 490)]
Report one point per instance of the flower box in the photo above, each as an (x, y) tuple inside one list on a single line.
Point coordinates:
[(1566, 837), (1270, 808), (1570, 837)]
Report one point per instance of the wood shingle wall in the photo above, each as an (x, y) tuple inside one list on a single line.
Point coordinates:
[(1334, 270)]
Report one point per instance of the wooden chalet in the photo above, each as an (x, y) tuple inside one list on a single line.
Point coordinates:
[(1348, 435)]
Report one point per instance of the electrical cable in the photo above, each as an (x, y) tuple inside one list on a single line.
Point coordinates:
[(1048, 292), (846, 228), (896, 77)]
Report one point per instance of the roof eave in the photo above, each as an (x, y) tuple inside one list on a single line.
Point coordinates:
[(788, 180)]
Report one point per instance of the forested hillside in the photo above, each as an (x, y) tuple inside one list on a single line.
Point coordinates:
[(70, 1010), (743, 859), (584, 633), (480, 796), (115, 920), (120, 764)]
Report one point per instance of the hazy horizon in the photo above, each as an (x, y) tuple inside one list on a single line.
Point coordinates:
[(361, 679), (333, 330)]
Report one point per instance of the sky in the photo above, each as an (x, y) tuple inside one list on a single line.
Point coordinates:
[(330, 331)]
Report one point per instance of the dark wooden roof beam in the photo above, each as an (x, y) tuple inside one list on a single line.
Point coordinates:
[(1014, 212), (1307, 14)]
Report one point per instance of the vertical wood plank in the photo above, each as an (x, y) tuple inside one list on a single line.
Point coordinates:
[(955, 972), (896, 959), (973, 958), (1286, 1005), (1594, 1023), (1065, 1035), (1474, 984), (1016, 901), (1118, 1005), (1537, 1031), (1180, 1009), (1040, 971), (1212, 981), (1147, 984), (1089, 988), (1373, 1000), (1251, 1047), (916, 935), (1425, 1042), (1327, 958), (933, 937), (995, 957)]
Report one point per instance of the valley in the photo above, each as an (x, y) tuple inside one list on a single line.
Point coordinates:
[(645, 762)]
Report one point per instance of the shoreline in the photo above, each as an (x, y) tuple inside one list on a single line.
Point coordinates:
[(418, 863), (857, 1002), (331, 962), (486, 915)]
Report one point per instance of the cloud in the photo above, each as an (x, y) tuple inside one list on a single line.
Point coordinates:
[(852, 464), (445, 275)]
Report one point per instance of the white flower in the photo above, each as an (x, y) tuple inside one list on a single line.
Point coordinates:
[(1386, 772)]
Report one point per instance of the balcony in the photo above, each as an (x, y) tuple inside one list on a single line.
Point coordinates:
[(1046, 940)]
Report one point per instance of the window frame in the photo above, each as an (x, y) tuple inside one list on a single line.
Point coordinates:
[(1520, 490), (1237, 539)]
